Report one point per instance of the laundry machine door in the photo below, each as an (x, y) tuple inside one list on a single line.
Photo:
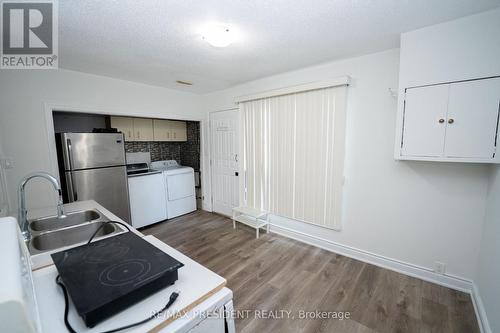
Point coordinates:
[(180, 186)]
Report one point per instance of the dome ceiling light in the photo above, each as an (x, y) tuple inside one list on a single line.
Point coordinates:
[(218, 35)]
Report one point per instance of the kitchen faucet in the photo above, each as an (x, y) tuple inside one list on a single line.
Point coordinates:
[(23, 220)]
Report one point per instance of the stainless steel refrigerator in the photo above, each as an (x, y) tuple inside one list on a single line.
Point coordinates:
[(93, 167)]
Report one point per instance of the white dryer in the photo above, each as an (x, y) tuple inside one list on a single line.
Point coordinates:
[(179, 187)]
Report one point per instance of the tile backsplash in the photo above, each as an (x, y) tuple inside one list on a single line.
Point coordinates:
[(190, 150), (159, 150), (186, 153)]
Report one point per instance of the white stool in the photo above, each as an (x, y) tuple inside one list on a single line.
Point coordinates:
[(252, 217)]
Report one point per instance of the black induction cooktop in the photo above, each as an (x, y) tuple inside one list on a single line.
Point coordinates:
[(107, 276)]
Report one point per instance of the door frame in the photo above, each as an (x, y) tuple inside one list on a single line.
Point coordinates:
[(50, 107), (210, 149)]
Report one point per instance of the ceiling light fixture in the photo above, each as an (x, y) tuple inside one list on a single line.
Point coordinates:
[(218, 35)]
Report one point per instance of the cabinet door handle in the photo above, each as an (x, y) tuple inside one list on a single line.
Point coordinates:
[(441, 120), (129, 135), (451, 121), (138, 135)]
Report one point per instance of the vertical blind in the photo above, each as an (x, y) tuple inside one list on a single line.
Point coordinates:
[(293, 155)]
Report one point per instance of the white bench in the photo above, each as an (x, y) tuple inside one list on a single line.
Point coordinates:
[(252, 217)]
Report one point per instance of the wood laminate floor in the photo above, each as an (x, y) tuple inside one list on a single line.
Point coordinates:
[(284, 277)]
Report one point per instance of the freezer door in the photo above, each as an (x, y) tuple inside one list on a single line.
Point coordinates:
[(107, 186), (92, 150)]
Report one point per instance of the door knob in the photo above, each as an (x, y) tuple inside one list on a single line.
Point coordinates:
[(441, 120), (451, 121)]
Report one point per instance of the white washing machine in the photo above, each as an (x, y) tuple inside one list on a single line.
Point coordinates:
[(179, 187)]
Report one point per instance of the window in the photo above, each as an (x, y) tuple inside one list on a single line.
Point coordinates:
[(293, 154)]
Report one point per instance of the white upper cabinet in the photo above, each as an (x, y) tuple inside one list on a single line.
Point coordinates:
[(455, 122), (425, 121), (472, 119)]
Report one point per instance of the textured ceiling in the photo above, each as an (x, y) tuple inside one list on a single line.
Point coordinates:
[(158, 41)]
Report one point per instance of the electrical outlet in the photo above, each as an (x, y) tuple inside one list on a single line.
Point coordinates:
[(439, 267)]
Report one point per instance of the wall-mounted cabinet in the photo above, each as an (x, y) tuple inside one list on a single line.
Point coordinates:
[(146, 129), (178, 130), (169, 130), (455, 122), (143, 129), (134, 129), (124, 125), (161, 130)]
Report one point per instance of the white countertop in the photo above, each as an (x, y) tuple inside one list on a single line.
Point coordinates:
[(200, 290)]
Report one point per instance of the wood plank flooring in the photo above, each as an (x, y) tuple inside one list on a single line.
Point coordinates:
[(277, 274)]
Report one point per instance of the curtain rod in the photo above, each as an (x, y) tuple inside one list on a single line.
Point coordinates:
[(337, 82)]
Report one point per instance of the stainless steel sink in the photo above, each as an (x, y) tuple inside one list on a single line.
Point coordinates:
[(71, 219), (69, 236), (51, 233)]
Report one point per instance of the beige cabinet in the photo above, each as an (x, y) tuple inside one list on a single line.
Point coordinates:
[(143, 129), (169, 130), (178, 130), (161, 130), (124, 125), (134, 129)]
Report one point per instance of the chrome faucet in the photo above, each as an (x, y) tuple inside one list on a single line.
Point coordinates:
[(23, 220)]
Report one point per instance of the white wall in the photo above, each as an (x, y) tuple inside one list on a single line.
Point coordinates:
[(23, 128), (462, 49), (488, 275), (416, 212)]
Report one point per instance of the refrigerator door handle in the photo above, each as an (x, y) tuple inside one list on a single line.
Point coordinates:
[(71, 183), (69, 186)]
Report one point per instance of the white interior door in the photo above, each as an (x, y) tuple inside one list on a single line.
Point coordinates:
[(224, 128), (472, 119), (425, 121)]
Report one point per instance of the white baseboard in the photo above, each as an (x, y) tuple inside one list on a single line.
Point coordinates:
[(482, 319), (423, 273)]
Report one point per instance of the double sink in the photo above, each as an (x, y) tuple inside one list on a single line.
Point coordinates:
[(50, 233)]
